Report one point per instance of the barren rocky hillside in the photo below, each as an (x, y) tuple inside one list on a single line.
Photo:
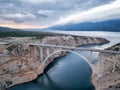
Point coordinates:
[(109, 67), (20, 62)]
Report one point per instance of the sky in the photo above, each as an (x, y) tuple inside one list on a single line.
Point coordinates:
[(46, 13)]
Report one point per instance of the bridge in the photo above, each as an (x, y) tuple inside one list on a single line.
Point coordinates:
[(58, 49)]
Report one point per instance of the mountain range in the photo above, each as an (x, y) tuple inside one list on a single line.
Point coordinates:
[(109, 25), (7, 29)]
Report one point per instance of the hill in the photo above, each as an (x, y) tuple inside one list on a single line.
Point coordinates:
[(11, 32), (109, 25)]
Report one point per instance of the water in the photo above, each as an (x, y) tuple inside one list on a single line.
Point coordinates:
[(66, 73), (69, 72)]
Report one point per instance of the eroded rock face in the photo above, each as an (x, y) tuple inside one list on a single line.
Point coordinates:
[(110, 75), (20, 62), (89, 40), (18, 65), (59, 40)]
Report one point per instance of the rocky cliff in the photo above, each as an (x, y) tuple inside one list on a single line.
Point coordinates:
[(108, 66), (20, 62)]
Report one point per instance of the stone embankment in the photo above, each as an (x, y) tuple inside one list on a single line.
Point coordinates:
[(20, 62), (108, 66)]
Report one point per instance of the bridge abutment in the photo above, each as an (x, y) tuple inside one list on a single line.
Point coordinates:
[(49, 52)]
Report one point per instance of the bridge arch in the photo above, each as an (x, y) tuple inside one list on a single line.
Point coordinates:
[(74, 52)]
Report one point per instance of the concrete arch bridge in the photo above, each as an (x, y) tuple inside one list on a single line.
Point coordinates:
[(58, 49)]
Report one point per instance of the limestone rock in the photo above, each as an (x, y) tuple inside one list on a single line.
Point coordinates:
[(108, 66), (21, 62)]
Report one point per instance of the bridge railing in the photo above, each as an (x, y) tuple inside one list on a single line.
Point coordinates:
[(77, 48), (42, 46)]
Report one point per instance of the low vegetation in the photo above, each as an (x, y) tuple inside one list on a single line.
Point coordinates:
[(10, 32), (22, 34)]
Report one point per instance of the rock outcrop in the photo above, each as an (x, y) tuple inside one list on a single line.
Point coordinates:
[(108, 66), (20, 62)]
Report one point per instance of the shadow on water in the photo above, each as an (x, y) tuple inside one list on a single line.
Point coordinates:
[(56, 86), (69, 72)]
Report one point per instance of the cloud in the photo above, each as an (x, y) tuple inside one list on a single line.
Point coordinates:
[(45, 12), (38, 1), (100, 13), (18, 17)]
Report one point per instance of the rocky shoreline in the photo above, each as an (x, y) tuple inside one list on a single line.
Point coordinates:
[(110, 79), (20, 62)]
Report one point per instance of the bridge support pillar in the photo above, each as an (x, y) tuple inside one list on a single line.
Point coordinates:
[(48, 52), (114, 66), (81, 52), (41, 54), (91, 59)]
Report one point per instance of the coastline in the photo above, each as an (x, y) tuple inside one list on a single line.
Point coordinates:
[(25, 60), (110, 79)]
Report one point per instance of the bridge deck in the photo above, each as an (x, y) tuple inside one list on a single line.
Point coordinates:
[(77, 48)]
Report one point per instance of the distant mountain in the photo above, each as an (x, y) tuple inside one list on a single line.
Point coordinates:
[(109, 25), (11, 32), (7, 29)]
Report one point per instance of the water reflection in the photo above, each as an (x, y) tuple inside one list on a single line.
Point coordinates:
[(91, 33), (66, 73)]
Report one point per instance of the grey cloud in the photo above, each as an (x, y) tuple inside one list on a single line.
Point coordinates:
[(14, 19), (45, 11)]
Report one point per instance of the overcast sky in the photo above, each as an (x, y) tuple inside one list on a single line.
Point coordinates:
[(45, 13)]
